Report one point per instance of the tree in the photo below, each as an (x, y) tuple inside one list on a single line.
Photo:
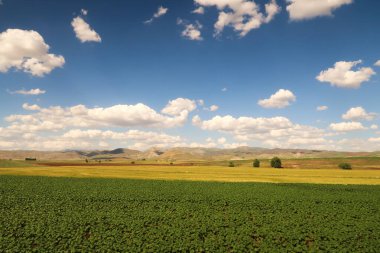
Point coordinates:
[(276, 162), (231, 164), (86, 160), (345, 166), (256, 163)]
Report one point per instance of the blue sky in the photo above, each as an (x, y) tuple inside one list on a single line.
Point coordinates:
[(126, 61)]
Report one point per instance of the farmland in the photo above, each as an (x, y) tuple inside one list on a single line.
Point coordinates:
[(321, 171), (77, 214)]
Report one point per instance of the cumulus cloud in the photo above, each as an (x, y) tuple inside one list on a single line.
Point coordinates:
[(138, 115), (374, 127), (149, 138), (88, 139), (199, 10), (374, 139), (241, 15), (31, 92), (191, 31), (280, 99), (83, 31), (347, 126), (214, 108), (308, 9), (358, 113), (271, 132), (179, 105), (27, 51), (322, 108), (28, 107), (377, 63), (160, 12), (224, 89), (342, 75), (222, 140)]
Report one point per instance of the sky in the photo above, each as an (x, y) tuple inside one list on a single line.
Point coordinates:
[(95, 74)]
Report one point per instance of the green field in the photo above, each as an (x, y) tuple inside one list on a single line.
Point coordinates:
[(76, 214)]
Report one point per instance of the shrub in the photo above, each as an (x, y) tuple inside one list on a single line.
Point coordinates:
[(345, 166), (256, 163), (276, 162), (231, 164)]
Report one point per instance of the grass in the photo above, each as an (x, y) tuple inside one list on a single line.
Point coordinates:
[(16, 164), (205, 173), (45, 214)]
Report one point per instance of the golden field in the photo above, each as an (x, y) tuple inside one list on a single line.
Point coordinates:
[(204, 173)]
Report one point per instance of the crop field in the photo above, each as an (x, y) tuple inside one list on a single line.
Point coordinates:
[(77, 214), (243, 173)]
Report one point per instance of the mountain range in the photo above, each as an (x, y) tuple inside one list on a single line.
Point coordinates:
[(179, 154)]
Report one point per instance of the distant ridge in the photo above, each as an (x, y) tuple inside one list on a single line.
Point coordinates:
[(179, 154)]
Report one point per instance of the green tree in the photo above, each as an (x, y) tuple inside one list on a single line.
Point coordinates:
[(231, 164), (256, 163), (276, 162), (345, 166)]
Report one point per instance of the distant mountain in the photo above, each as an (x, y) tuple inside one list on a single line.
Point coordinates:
[(179, 154)]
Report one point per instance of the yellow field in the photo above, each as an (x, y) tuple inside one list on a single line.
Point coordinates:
[(206, 173)]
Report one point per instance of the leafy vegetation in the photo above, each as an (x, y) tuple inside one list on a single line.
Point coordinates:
[(231, 164), (276, 162), (345, 166), (45, 214), (256, 163)]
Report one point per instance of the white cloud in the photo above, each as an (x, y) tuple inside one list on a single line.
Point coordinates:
[(280, 99), (377, 63), (241, 15), (86, 139), (178, 106), (160, 12), (374, 127), (84, 32), (224, 89), (201, 102), (32, 92), (308, 9), (191, 31), (27, 51), (214, 108), (28, 107), (374, 139), (148, 137), (358, 113), (222, 140), (342, 75), (272, 132), (322, 108), (200, 10), (138, 115), (347, 126), (84, 12)]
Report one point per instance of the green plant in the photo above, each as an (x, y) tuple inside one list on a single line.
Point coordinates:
[(231, 164), (256, 163), (52, 214), (276, 162), (345, 166)]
